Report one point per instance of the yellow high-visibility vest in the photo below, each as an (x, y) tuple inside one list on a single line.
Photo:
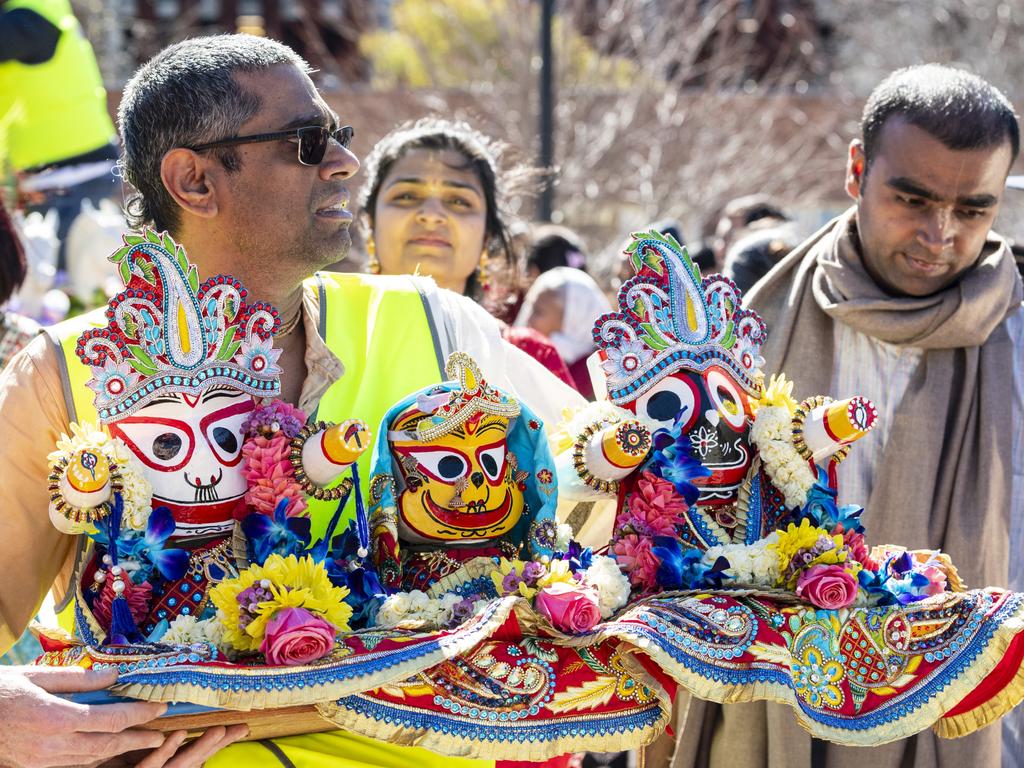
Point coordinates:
[(58, 109)]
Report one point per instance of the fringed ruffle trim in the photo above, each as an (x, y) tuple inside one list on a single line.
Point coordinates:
[(274, 687), (575, 734), (929, 714), (1012, 694)]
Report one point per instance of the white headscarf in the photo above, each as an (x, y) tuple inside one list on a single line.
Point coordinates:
[(584, 302)]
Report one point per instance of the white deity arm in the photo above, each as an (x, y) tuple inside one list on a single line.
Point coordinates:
[(602, 444), (332, 449)]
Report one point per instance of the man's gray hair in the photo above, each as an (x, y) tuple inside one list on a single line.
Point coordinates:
[(183, 96)]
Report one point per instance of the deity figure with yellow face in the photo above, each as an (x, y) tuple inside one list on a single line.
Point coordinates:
[(177, 370), (679, 367), (462, 471)]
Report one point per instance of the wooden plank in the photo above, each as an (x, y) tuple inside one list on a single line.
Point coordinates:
[(263, 723)]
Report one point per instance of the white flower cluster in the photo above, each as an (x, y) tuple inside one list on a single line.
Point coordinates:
[(563, 536), (611, 583), (417, 610), (772, 433), (754, 564), (137, 492), (187, 630)]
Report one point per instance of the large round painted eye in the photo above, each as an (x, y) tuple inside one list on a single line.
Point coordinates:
[(225, 435), (167, 446), (226, 439), (492, 461), (162, 445), (673, 398), (727, 398), (446, 466)]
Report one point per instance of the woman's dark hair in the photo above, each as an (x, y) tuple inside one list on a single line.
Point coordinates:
[(555, 246), (484, 156), (13, 266)]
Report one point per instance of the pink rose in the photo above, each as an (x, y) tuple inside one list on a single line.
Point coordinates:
[(295, 636), (570, 607), (827, 586)]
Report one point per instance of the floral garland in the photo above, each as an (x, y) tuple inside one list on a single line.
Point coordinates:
[(772, 434), (287, 608), (824, 559), (574, 590)]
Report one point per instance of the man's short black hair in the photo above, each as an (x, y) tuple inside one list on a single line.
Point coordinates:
[(959, 109)]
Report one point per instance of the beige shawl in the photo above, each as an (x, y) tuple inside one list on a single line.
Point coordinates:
[(943, 480)]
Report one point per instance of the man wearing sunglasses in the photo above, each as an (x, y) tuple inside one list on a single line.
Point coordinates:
[(231, 149)]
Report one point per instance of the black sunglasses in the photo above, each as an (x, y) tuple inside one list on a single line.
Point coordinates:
[(313, 140)]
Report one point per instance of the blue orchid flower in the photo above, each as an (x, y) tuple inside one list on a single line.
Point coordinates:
[(279, 534), (580, 558), (896, 582), (673, 461), (365, 592), (681, 569), (150, 548), (823, 511)]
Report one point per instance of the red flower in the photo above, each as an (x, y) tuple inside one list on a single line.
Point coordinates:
[(827, 586), (270, 476), (636, 559), (858, 548), (653, 509)]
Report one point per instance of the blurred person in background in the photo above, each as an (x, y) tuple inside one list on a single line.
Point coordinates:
[(554, 246), (60, 140), (16, 331), (738, 217), (434, 203), (754, 254), (563, 304)]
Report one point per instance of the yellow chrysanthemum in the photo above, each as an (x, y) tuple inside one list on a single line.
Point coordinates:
[(293, 583), (795, 539), (778, 393), (558, 570)]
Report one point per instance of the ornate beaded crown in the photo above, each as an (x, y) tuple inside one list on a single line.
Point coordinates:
[(670, 319), (473, 397), (167, 333)]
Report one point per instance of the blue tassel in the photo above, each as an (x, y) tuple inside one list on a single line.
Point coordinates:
[(122, 626), (321, 548), (362, 524)]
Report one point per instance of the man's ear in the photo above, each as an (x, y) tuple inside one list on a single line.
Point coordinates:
[(855, 168), (186, 176)]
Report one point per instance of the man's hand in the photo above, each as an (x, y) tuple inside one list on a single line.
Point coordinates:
[(39, 729), (192, 756)]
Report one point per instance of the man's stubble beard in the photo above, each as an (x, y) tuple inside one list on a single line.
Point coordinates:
[(290, 262)]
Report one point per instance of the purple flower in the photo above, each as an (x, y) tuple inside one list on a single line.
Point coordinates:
[(532, 571), (511, 582), (278, 416)]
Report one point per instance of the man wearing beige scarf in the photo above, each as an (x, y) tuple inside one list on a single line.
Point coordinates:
[(903, 298)]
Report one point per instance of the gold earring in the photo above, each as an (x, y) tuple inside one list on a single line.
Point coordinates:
[(482, 277), (372, 264)]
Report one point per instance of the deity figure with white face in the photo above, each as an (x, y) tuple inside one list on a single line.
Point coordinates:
[(176, 370)]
